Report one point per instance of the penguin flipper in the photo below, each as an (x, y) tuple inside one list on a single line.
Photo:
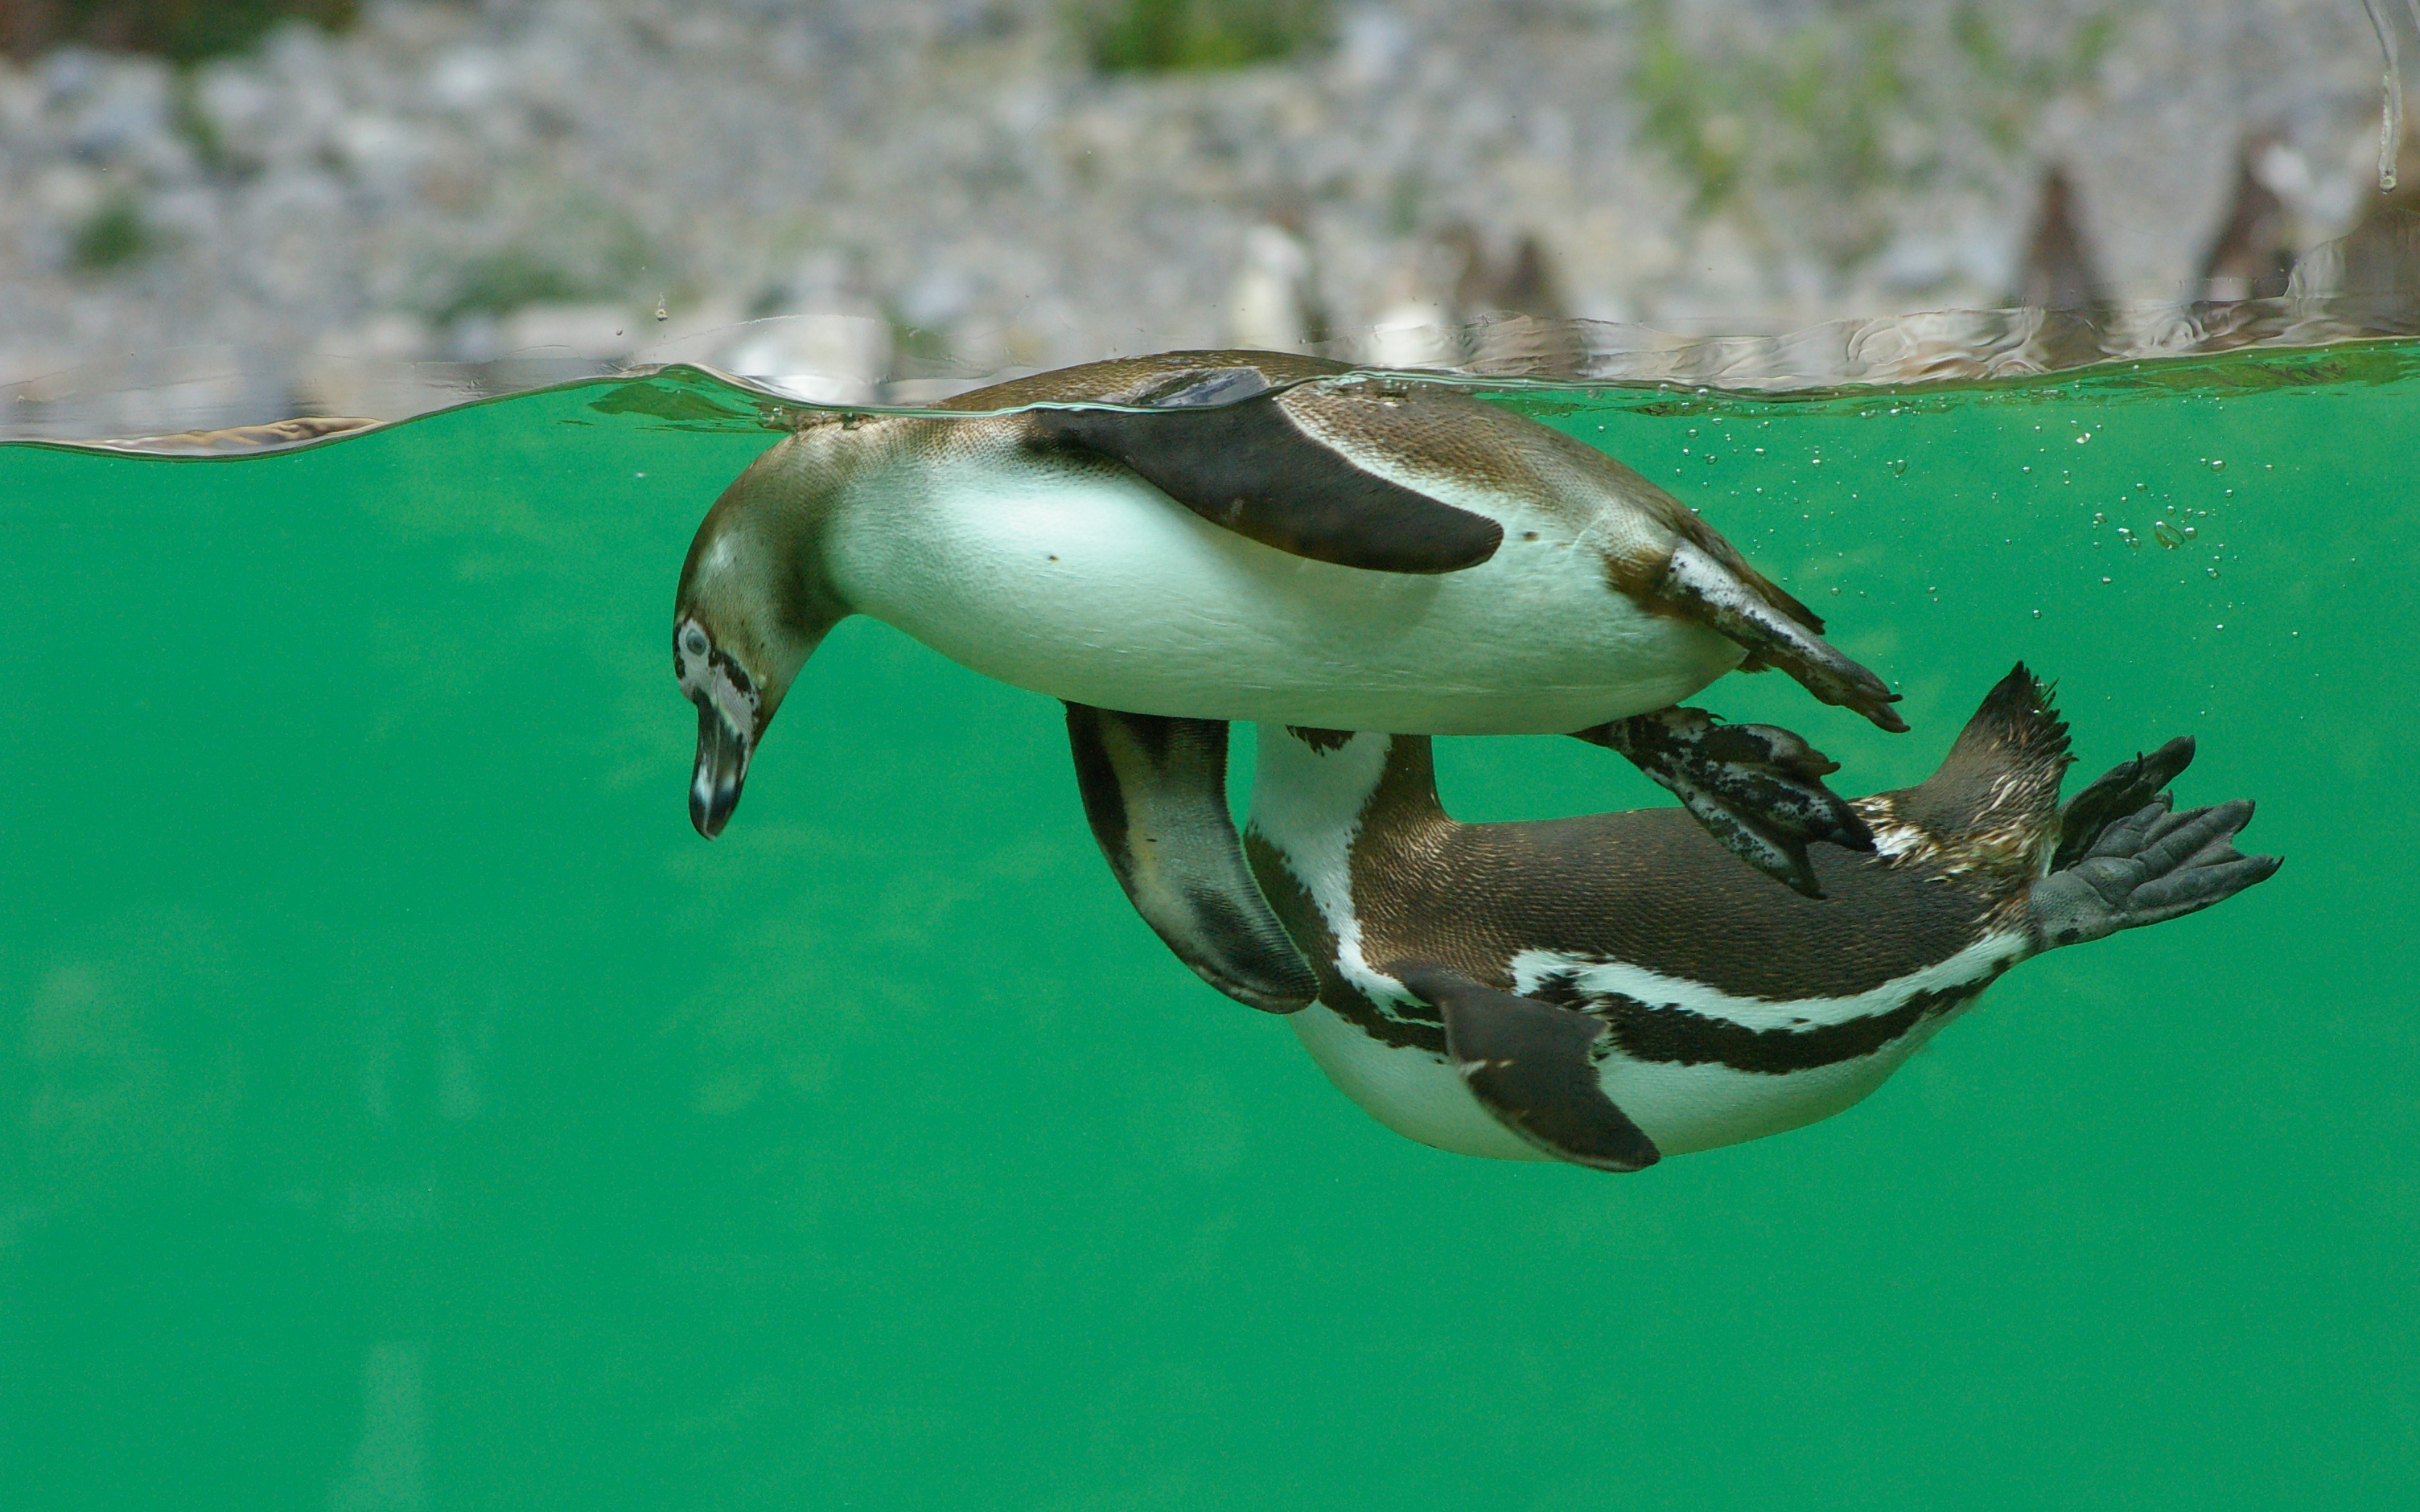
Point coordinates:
[(1218, 443), (2152, 866), (1756, 788), (1155, 791), (1529, 1065)]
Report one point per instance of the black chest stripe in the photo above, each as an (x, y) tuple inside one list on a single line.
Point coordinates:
[(1676, 1036), (1412, 1025)]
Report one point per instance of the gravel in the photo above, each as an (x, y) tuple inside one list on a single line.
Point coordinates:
[(884, 200)]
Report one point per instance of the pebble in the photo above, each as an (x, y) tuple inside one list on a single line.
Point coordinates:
[(362, 223)]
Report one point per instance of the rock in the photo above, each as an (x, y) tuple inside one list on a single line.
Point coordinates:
[(588, 332), (828, 357), (503, 174)]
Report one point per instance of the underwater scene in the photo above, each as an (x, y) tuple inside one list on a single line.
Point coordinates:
[(401, 1106)]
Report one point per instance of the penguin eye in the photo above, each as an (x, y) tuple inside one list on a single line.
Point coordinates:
[(693, 641)]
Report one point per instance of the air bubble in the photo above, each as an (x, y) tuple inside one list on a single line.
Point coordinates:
[(2166, 534), (2218, 464), (1898, 466), (2189, 533), (2081, 436)]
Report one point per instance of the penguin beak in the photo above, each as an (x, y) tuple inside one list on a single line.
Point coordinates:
[(722, 767)]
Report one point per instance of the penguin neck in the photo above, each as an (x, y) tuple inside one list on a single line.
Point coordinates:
[(755, 574), (1323, 803), (1320, 796)]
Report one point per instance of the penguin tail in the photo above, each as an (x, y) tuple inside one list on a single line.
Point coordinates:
[(1997, 790)]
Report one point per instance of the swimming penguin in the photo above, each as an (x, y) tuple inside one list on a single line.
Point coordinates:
[(1170, 543), (1611, 989)]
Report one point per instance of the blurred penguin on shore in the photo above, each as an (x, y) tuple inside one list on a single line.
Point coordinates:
[(2253, 254), (1456, 303), (2059, 277), (1274, 303)]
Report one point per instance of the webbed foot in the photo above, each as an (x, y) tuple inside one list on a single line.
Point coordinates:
[(1530, 1066), (2150, 867), (2120, 790), (1706, 582), (1756, 788)]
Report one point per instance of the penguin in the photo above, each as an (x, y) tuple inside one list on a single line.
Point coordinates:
[(1612, 989), (1171, 542)]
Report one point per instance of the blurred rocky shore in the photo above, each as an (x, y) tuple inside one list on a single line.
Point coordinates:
[(869, 200)]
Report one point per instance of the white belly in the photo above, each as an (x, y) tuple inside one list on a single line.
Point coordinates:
[(1100, 590), (1683, 1108), (1415, 1094)]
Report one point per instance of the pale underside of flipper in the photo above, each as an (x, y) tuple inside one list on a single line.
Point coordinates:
[(1219, 443), (1533, 1066), (1155, 791)]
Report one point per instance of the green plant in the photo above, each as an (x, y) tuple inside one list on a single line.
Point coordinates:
[(114, 237), (504, 282), (1183, 35), (588, 251), (181, 30)]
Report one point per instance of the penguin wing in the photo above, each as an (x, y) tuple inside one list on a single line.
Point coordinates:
[(1533, 1067), (1656, 549), (1155, 791), (1221, 442)]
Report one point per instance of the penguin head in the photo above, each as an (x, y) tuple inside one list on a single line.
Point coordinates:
[(731, 718), (744, 623)]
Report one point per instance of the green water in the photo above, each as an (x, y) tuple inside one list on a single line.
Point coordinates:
[(401, 1107)]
